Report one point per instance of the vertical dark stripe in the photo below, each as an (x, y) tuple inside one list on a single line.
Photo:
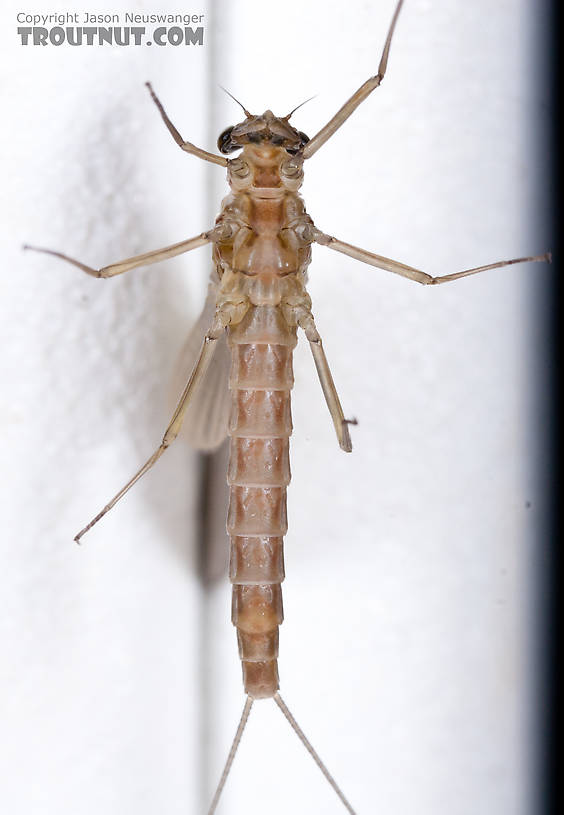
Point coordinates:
[(212, 504), (551, 799), (203, 654)]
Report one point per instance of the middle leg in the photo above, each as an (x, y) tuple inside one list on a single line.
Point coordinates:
[(412, 273)]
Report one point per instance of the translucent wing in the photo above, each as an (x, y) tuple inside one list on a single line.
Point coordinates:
[(205, 423)]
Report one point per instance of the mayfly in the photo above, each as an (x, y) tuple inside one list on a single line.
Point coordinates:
[(262, 243)]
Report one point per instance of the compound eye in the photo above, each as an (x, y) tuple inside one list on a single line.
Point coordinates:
[(303, 140), (224, 143)]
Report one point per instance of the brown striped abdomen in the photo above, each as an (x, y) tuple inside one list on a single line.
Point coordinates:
[(259, 472)]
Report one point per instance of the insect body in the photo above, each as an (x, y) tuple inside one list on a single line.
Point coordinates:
[(262, 257), (263, 264), (262, 243)]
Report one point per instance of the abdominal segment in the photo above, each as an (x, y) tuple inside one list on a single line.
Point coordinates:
[(259, 472), (261, 265)]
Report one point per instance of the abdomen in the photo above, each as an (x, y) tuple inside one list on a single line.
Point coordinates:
[(259, 472)]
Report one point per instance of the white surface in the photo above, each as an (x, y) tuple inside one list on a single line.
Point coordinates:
[(405, 651)]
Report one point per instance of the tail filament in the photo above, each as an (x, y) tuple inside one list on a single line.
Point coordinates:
[(307, 744), (236, 741)]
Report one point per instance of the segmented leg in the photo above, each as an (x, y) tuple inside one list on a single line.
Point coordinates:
[(305, 320), (409, 271), (173, 429), (357, 98), (184, 145), (139, 260)]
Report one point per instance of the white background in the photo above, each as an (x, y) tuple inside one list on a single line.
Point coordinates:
[(407, 650)]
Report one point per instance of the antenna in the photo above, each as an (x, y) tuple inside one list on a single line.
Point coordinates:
[(287, 117), (243, 108)]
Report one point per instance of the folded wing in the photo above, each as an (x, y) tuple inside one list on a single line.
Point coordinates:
[(207, 417)]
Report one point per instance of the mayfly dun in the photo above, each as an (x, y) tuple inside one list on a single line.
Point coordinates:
[(262, 244)]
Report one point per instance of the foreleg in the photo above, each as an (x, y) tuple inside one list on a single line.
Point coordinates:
[(409, 271)]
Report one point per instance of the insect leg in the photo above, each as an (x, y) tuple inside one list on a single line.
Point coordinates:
[(351, 104), (304, 319), (210, 341), (184, 145), (139, 260), (409, 271)]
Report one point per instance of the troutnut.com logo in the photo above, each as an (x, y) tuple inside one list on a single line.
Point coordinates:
[(124, 28)]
